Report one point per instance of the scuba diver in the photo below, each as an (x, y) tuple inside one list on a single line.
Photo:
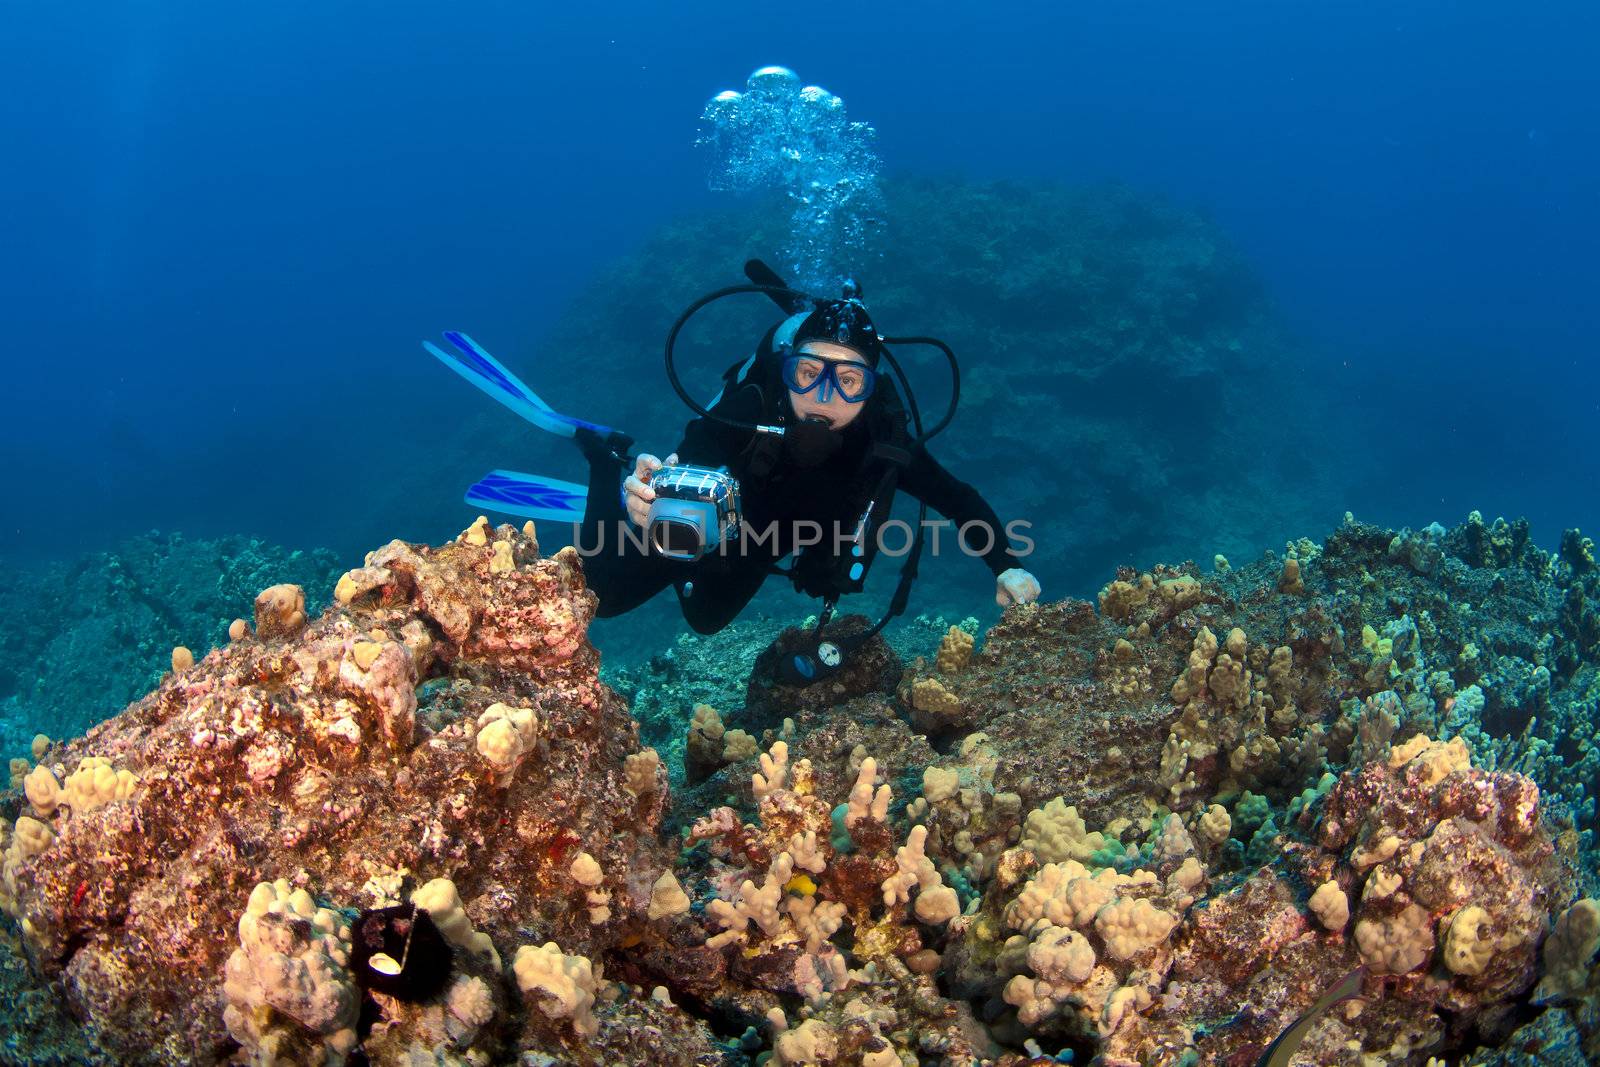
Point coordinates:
[(799, 456)]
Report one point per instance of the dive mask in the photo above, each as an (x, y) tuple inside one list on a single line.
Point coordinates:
[(849, 379)]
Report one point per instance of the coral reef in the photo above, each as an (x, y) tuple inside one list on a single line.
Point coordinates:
[(443, 721), (419, 828)]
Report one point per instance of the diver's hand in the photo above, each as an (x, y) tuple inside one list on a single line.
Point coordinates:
[(1015, 586), (637, 487)]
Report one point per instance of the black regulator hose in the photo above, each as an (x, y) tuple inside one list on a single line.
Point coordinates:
[(911, 400), (773, 291)]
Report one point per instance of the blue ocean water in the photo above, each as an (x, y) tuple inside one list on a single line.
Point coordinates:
[(227, 227), (224, 229)]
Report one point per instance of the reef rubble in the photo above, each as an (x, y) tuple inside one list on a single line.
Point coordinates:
[(419, 828)]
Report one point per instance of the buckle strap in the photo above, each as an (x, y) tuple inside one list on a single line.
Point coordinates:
[(900, 457)]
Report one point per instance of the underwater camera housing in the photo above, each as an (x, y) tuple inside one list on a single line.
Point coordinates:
[(695, 509)]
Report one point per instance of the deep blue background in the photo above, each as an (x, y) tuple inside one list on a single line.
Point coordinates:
[(224, 227)]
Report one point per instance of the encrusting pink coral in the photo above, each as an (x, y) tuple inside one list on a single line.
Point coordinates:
[(343, 753)]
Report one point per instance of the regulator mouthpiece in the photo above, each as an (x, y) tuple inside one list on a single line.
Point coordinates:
[(811, 443)]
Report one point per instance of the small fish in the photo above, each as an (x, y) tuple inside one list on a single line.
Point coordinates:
[(1283, 1047)]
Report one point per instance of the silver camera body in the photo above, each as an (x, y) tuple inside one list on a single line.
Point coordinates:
[(695, 510)]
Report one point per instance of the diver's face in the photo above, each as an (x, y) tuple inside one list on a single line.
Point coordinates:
[(836, 411)]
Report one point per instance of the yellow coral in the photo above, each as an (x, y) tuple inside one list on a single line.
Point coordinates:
[(955, 651), (280, 610), (505, 735), (641, 770), (1229, 681), (1289, 581), (1063, 894), (704, 747), (365, 653), (95, 784), (585, 870), (1437, 759), (470, 1001), (564, 985), (667, 898), (359, 582), (737, 745), (1120, 599), (42, 789), (1056, 832), (31, 837), (813, 1041), (938, 905), (774, 770), (443, 904), (1280, 668), (1182, 592), (940, 783), (478, 533), (1397, 944), (1466, 950), (930, 695), (1061, 955), (864, 801), (1331, 906), (1125, 1002), (1216, 824), (1201, 654), (1129, 927), (1383, 849), (706, 721)]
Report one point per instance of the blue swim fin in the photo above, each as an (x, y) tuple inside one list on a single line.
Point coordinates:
[(487, 373), (528, 495)]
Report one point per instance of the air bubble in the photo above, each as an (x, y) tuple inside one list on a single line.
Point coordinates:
[(778, 135)]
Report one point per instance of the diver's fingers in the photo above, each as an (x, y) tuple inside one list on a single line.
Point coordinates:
[(645, 465), (639, 483), (637, 488), (1016, 586), (638, 511), (637, 491)]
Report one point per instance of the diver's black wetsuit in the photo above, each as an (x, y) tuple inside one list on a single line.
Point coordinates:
[(720, 585)]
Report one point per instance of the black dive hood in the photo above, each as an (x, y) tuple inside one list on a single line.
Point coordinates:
[(810, 443)]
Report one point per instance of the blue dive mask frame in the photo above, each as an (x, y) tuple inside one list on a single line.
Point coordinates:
[(828, 381)]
